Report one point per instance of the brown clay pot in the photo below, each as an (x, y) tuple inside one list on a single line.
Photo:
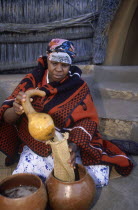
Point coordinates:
[(71, 195), (35, 201)]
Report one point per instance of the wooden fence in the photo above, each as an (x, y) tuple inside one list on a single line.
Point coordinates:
[(26, 26)]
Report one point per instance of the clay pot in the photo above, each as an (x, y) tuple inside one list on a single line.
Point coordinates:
[(71, 195), (35, 201)]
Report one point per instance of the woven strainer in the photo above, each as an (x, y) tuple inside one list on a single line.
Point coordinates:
[(60, 151)]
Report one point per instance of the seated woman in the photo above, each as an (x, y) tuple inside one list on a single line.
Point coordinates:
[(69, 102)]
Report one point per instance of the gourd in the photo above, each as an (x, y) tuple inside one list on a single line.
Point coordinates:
[(40, 125)]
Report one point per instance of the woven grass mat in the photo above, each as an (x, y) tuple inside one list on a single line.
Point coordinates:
[(114, 174)]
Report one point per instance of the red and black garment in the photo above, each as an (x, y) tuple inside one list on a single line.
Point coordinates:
[(70, 104)]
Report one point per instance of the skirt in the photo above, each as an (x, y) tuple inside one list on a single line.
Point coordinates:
[(32, 163)]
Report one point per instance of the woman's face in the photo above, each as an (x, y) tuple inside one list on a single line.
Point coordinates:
[(57, 71)]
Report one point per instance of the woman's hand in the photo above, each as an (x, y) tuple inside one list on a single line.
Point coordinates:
[(72, 150), (17, 104), (17, 107), (12, 114)]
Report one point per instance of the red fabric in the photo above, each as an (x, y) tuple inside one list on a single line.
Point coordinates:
[(95, 150), (71, 106), (8, 136)]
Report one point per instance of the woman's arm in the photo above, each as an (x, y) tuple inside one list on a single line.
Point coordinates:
[(11, 115)]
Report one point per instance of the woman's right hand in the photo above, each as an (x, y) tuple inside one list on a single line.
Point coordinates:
[(12, 114), (17, 104)]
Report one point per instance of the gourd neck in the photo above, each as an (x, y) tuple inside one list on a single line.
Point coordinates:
[(27, 106)]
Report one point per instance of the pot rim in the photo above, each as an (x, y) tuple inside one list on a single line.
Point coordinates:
[(20, 175), (72, 182)]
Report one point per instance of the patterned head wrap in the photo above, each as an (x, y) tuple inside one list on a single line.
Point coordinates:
[(61, 50)]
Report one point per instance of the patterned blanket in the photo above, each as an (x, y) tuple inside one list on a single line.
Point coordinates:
[(70, 104)]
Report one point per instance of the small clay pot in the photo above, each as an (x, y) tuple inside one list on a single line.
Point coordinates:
[(35, 201), (74, 195)]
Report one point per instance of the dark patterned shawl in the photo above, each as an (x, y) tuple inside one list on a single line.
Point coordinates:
[(71, 106)]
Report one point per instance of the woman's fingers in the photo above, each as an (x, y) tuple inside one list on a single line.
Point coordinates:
[(21, 97), (18, 108), (17, 103), (72, 150), (71, 161)]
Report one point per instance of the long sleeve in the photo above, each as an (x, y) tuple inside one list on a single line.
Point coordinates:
[(26, 83)]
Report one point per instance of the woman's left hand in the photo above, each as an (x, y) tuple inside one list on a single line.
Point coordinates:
[(72, 150)]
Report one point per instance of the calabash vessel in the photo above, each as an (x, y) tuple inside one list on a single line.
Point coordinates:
[(74, 195), (40, 125), (35, 201)]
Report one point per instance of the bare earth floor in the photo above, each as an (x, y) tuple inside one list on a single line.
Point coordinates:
[(120, 194)]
